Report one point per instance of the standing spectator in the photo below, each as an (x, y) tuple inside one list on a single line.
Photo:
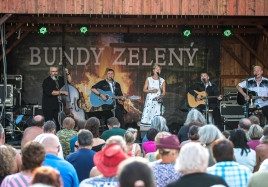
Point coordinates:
[(233, 173), (30, 133), (255, 133), (164, 170), (107, 161), (245, 124), (207, 135), (135, 172), (262, 149), (130, 138), (47, 175), (149, 146), (243, 154), (192, 163), (93, 125), (49, 128), (67, 171), (194, 117), (33, 155), (82, 159), (66, 134), (114, 129)]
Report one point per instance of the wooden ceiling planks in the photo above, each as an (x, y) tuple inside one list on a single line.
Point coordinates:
[(137, 7)]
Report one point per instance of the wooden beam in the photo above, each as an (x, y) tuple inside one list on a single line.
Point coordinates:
[(251, 50), (11, 32), (235, 57), (264, 31), (144, 20), (14, 44), (4, 18)]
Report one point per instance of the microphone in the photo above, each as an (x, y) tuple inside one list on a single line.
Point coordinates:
[(112, 80), (158, 74), (254, 75), (57, 77), (204, 81)]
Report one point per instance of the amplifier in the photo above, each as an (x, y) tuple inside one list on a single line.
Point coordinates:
[(231, 123), (37, 110), (231, 110), (9, 95), (15, 80)]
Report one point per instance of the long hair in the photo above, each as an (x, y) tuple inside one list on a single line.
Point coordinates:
[(239, 139)]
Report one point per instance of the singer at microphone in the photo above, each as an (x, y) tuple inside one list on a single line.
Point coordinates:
[(158, 74)]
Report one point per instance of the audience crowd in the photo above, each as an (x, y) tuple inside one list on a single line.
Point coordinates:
[(78, 155)]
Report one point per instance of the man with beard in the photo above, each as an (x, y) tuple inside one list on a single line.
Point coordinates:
[(51, 90)]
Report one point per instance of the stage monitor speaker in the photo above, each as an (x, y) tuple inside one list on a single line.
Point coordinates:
[(231, 123), (15, 80), (231, 110), (9, 95)]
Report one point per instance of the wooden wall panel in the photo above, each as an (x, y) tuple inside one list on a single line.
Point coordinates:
[(148, 7)]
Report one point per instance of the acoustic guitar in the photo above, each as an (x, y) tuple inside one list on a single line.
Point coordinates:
[(193, 102), (252, 96), (97, 101)]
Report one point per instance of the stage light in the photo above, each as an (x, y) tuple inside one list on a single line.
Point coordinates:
[(43, 30), (83, 30), (227, 32), (186, 32)]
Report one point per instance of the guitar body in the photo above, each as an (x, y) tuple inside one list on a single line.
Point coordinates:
[(240, 98), (97, 101), (193, 102)]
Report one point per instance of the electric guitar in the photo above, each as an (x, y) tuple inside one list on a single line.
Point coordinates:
[(193, 102), (252, 96), (97, 101)]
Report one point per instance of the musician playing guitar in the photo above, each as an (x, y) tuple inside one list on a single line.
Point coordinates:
[(213, 103), (258, 84), (109, 84)]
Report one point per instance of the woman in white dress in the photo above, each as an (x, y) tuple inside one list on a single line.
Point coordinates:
[(152, 107)]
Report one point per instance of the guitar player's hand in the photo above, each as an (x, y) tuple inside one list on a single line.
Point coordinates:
[(263, 98), (199, 97), (103, 97), (245, 97)]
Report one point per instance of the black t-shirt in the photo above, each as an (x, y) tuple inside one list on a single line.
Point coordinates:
[(198, 180), (49, 101)]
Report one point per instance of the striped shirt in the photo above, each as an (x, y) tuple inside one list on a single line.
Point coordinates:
[(17, 180)]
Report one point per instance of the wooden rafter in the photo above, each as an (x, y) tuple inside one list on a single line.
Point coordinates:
[(12, 31), (4, 18), (14, 44), (264, 31), (235, 57), (251, 50)]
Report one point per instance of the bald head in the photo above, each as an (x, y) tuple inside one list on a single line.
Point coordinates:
[(244, 124), (51, 144), (38, 121)]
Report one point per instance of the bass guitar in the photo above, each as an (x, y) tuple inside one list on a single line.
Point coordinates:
[(193, 102), (97, 101), (252, 96)]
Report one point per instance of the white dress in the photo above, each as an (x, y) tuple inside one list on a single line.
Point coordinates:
[(151, 106)]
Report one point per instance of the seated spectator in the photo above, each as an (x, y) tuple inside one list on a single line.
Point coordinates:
[(245, 124), (82, 159), (164, 170), (192, 135), (107, 161), (93, 125), (262, 149), (8, 161), (255, 133), (258, 179), (33, 155), (149, 146), (132, 148), (135, 172), (80, 125), (49, 128), (264, 165), (66, 134), (192, 162), (30, 133), (152, 156), (233, 173), (254, 120), (114, 129), (67, 171), (226, 134), (243, 154), (194, 117), (47, 175), (159, 123), (207, 135)]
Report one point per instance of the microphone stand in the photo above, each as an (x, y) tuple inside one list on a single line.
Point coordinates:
[(161, 96), (113, 87), (60, 103), (206, 109)]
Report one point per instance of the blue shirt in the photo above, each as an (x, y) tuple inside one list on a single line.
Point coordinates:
[(67, 171), (233, 173), (72, 143), (82, 160)]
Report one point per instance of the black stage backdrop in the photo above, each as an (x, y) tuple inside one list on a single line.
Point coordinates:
[(131, 56)]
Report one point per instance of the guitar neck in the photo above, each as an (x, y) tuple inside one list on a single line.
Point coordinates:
[(118, 97), (258, 97)]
